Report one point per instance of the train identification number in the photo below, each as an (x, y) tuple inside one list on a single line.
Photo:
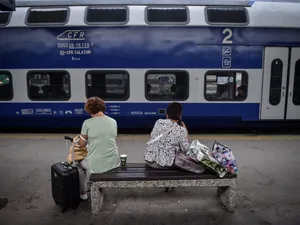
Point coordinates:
[(74, 43)]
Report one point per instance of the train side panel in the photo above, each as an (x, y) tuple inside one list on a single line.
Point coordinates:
[(202, 60)]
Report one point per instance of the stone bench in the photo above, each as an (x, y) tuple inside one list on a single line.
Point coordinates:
[(142, 176)]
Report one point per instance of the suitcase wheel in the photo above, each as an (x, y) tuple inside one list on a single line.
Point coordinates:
[(64, 210), (168, 189)]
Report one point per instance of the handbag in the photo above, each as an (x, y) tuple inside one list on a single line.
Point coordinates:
[(79, 152), (204, 156), (223, 154), (184, 162)]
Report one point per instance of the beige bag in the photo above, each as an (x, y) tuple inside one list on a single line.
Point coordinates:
[(79, 153)]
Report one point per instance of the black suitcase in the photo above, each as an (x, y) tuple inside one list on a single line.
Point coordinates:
[(65, 183)]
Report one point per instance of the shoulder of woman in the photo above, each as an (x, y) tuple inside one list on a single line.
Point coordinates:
[(158, 124), (159, 121), (110, 119), (87, 120), (163, 121)]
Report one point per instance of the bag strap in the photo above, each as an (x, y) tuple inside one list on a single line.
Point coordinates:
[(158, 137)]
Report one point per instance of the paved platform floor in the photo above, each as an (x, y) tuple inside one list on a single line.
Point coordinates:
[(267, 187)]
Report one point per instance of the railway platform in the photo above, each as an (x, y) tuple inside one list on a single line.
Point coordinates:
[(267, 185)]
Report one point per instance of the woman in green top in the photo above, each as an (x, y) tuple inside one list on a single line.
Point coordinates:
[(100, 133)]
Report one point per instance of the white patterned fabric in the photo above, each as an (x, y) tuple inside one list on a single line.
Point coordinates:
[(163, 151)]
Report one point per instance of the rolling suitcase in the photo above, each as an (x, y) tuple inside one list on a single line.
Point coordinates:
[(65, 183)]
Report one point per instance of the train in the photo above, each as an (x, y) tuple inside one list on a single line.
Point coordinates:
[(231, 63)]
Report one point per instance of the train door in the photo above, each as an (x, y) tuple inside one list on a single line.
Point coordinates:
[(293, 104), (274, 83)]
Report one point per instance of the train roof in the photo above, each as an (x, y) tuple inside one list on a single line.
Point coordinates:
[(246, 3), (132, 2), (10, 5), (255, 13)]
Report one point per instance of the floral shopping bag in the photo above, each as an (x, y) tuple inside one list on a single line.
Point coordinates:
[(223, 154)]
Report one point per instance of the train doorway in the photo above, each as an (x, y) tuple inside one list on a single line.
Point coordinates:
[(281, 84)]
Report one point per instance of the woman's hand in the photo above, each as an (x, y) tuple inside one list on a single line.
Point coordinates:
[(83, 140)]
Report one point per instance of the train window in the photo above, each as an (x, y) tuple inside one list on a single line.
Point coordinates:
[(108, 85), (167, 85), (106, 15), (173, 15), (296, 92), (4, 18), (226, 85), (37, 16), (6, 87), (275, 82), (226, 15), (48, 85)]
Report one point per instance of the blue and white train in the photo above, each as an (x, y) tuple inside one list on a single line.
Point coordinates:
[(232, 64)]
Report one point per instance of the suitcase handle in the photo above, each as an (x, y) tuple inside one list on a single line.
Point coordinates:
[(73, 154), (69, 138)]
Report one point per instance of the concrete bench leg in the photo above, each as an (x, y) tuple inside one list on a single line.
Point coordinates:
[(227, 197), (96, 199)]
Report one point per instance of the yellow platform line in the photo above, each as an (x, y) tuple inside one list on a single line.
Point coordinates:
[(144, 137)]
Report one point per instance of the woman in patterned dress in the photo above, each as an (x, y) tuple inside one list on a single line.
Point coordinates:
[(161, 153)]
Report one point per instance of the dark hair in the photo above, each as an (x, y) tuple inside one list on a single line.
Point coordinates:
[(94, 105), (174, 111)]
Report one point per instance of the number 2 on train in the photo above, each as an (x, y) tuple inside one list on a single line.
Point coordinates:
[(228, 36)]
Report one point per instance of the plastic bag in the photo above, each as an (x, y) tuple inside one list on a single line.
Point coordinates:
[(184, 162), (79, 152), (223, 154), (203, 155), (197, 150)]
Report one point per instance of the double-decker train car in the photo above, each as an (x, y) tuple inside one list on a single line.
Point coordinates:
[(230, 63)]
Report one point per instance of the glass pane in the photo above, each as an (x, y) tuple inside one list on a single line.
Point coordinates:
[(6, 89), (296, 92), (227, 15), (275, 82), (167, 15), (47, 15), (165, 85), (49, 86), (106, 15), (108, 85), (4, 17), (226, 86)]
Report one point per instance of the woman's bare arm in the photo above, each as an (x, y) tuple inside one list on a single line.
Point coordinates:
[(185, 128), (183, 141), (83, 140)]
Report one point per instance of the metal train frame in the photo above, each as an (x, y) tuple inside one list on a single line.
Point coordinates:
[(139, 57)]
